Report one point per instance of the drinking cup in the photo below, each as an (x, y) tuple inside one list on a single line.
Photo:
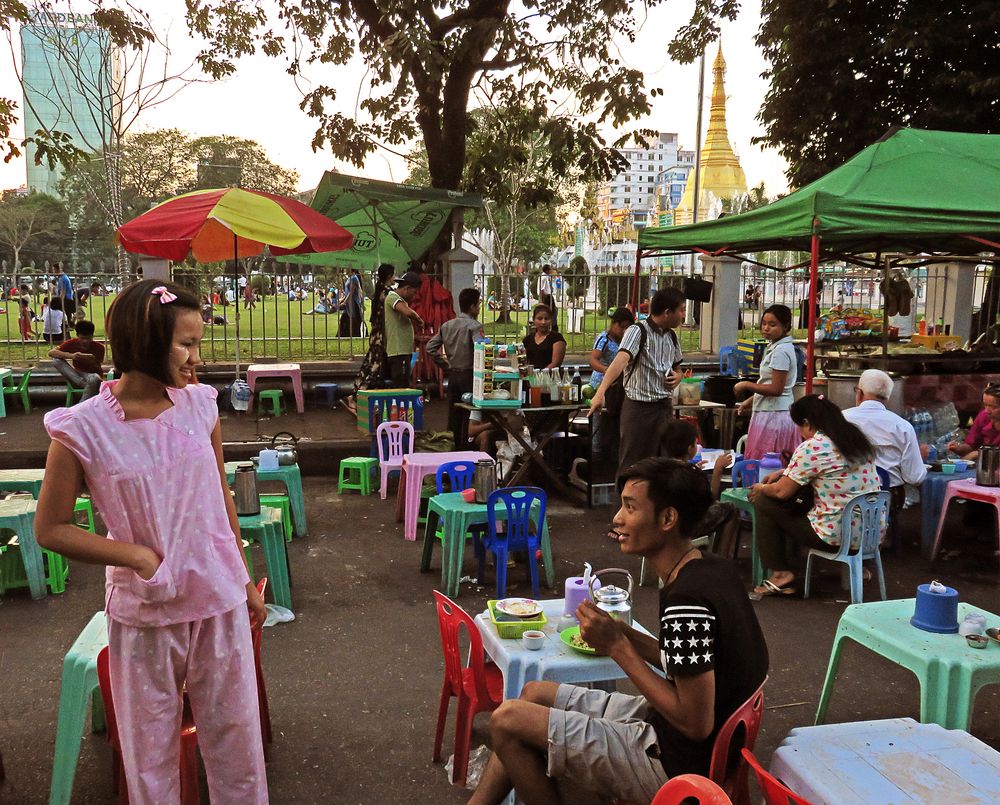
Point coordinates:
[(533, 640)]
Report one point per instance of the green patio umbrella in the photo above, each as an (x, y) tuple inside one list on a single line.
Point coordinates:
[(391, 223)]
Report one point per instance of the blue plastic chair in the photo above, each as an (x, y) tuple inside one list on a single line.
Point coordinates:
[(458, 473), (746, 473), (519, 535), (872, 509), (729, 361), (892, 532), (883, 479)]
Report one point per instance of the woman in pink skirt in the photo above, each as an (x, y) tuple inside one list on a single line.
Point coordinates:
[(771, 427)]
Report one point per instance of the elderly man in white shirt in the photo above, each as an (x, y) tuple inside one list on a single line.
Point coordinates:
[(894, 440)]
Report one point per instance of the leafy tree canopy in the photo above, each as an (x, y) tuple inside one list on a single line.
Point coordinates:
[(32, 228), (843, 72)]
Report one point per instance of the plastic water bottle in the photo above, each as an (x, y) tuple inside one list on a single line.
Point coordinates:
[(769, 463), (239, 395)]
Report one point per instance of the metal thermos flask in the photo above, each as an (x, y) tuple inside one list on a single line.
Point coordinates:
[(484, 479), (245, 489), (988, 466)]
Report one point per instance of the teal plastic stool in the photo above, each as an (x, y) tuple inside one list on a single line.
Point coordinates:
[(272, 399), (267, 529), (741, 500), (249, 557), (71, 392), (79, 683), (280, 502), (363, 467)]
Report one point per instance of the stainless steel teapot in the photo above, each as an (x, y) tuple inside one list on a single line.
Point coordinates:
[(617, 602), (247, 497), (287, 454), (988, 466), (484, 479)]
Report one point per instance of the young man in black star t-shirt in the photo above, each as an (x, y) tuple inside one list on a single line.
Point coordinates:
[(710, 646)]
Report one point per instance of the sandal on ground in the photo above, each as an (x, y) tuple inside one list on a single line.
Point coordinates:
[(770, 588)]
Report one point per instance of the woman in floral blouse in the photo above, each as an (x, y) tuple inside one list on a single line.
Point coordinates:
[(837, 462)]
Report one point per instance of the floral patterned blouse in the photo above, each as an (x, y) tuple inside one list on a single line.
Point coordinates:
[(817, 462)]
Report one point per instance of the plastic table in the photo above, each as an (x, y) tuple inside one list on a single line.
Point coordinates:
[(22, 481), (931, 499), (291, 477), (4, 374), (18, 514), (457, 515), (415, 467), (292, 370), (892, 761), (949, 671), (555, 661), (740, 498)]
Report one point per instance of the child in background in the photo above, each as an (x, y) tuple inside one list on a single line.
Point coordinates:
[(149, 448), (24, 320), (52, 321), (679, 440), (81, 360)]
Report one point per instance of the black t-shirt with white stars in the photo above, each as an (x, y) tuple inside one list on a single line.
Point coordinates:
[(707, 623)]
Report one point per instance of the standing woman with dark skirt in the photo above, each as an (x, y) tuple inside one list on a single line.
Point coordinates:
[(373, 367)]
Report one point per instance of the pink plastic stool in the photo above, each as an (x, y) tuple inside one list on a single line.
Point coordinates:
[(292, 370), (967, 489)]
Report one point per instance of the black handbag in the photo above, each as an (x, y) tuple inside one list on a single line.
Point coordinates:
[(697, 290)]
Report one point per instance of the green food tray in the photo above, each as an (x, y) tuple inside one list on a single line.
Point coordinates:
[(496, 403), (512, 630)]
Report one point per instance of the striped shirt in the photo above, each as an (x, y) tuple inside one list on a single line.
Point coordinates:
[(644, 381)]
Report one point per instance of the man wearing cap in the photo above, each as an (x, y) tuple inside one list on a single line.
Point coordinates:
[(400, 319), (894, 440)]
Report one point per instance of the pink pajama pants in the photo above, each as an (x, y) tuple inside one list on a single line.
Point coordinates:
[(149, 667)]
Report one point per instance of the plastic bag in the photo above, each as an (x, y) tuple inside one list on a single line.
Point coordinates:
[(276, 615), (478, 758)]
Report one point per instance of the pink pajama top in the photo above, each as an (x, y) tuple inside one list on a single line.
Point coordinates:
[(156, 483)]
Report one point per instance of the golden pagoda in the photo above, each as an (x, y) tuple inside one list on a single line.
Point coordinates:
[(721, 174)]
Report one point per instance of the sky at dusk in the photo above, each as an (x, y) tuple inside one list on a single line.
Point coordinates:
[(261, 101)]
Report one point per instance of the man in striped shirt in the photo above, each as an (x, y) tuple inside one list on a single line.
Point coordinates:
[(649, 355)]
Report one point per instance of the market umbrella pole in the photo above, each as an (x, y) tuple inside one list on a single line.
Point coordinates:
[(236, 296), (811, 335)]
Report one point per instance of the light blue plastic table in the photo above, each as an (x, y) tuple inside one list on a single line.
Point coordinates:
[(555, 661), (290, 476), (4, 374), (888, 762), (949, 671), (22, 481), (18, 514), (931, 499)]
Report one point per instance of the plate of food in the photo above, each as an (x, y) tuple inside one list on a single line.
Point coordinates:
[(571, 637), (519, 607)]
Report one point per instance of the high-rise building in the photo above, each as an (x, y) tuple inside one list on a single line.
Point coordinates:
[(652, 183), (72, 84), (721, 175)]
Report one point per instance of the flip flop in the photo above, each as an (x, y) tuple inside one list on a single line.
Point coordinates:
[(770, 588)]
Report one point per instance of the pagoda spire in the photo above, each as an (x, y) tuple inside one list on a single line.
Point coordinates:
[(721, 173)]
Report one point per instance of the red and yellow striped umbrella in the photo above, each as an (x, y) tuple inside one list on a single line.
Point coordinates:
[(205, 224)]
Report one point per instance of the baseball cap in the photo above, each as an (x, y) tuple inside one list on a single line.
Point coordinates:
[(411, 278)]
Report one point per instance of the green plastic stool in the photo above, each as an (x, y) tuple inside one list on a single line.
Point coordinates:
[(249, 556), (267, 529), (364, 466), (71, 392), (85, 505), (79, 683), (741, 500), (275, 398), (280, 502), (14, 577)]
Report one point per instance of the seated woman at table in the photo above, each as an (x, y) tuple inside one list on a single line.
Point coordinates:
[(545, 348), (985, 429), (834, 463)]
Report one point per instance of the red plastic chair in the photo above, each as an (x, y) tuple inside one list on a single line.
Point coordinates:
[(189, 741), (690, 787), (775, 792), (727, 767), (478, 686)]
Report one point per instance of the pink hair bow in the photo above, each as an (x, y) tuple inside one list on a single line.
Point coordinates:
[(165, 296)]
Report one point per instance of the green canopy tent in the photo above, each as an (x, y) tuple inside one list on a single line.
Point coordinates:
[(914, 191), (391, 223)]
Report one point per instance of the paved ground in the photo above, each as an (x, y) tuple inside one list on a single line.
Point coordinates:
[(354, 681)]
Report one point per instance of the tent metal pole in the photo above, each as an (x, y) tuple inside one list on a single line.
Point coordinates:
[(236, 295), (811, 335), (635, 282)]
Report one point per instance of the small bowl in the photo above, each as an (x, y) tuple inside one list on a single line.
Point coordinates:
[(469, 495), (994, 635), (948, 468), (533, 640), (961, 466), (977, 641)]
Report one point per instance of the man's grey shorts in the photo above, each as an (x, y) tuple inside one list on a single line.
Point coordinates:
[(600, 741)]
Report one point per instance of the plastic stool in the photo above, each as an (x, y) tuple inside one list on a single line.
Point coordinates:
[(249, 557), (280, 502), (13, 575), (79, 683), (85, 505), (327, 392), (966, 489), (364, 467), (71, 392), (274, 398), (266, 528)]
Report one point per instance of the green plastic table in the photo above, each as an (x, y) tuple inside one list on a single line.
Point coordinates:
[(4, 374), (267, 529), (741, 500), (22, 481), (950, 672), (18, 514), (79, 683), (290, 476), (457, 516)]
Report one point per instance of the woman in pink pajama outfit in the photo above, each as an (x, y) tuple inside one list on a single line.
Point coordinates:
[(149, 447)]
